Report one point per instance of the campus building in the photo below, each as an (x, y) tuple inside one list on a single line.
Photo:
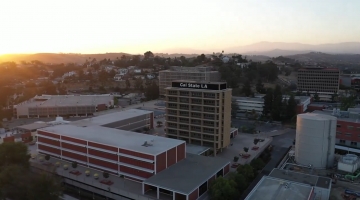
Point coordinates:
[(63, 105), (250, 104), (186, 73), (347, 128), (286, 184), (199, 113), (159, 167), (318, 80)]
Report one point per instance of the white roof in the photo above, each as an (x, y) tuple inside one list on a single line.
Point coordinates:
[(66, 100), (117, 138), (112, 117)]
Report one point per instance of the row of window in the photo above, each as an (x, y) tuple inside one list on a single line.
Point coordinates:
[(351, 143), (349, 127)]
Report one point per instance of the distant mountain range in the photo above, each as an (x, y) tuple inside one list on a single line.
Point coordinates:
[(274, 49)]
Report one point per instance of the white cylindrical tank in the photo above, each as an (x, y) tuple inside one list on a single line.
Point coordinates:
[(315, 140)]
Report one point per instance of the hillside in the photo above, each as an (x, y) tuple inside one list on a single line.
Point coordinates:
[(318, 57), (59, 58)]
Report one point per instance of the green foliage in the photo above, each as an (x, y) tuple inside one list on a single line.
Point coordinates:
[(316, 97), (14, 154), (246, 149), (105, 174), (240, 181), (152, 91), (74, 164), (231, 74), (116, 101), (47, 157), (291, 107), (127, 82), (236, 158), (246, 89), (268, 102), (17, 182), (234, 108), (223, 189), (256, 141), (247, 171), (260, 87), (257, 164), (347, 102)]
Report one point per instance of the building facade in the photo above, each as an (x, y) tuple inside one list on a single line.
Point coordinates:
[(133, 155), (199, 113), (318, 80), (186, 73), (63, 105)]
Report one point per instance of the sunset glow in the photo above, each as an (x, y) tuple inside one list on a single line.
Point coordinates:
[(137, 26)]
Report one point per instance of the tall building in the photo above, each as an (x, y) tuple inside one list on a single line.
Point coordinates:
[(186, 73), (199, 113), (318, 80)]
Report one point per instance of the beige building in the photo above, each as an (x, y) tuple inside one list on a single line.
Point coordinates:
[(318, 80), (199, 113), (186, 73)]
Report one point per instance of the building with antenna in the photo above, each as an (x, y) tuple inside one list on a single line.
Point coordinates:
[(200, 73), (63, 105)]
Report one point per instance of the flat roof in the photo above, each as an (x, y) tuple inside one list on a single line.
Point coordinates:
[(192, 81), (256, 99), (188, 174), (202, 90), (347, 119), (33, 126), (66, 100), (195, 149), (111, 117), (308, 179), (117, 138), (270, 188)]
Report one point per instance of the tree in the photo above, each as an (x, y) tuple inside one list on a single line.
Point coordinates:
[(277, 103), (247, 171), (127, 82), (291, 107), (347, 102), (148, 55), (47, 157), (74, 164), (234, 108), (223, 189), (260, 87), (268, 102), (256, 141), (14, 154), (246, 149), (44, 187), (246, 90), (316, 97), (240, 181), (138, 83), (257, 164), (105, 174), (152, 91)]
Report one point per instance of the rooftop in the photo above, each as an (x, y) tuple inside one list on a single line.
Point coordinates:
[(319, 68), (66, 100), (102, 120), (339, 118), (270, 188), (188, 174), (117, 138), (195, 149), (199, 82), (256, 99), (308, 179), (33, 126), (317, 116)]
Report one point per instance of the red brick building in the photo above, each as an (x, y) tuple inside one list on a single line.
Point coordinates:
[(133, 155)]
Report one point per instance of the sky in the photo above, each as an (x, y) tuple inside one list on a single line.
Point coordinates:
[(136, 26)]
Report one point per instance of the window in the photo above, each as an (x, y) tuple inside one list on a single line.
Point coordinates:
[(338, 125), (353, 143), (339, 133), (342, 141), (350, 127), (348, 134)]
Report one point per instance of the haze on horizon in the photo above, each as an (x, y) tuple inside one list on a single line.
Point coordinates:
[(137, 26)]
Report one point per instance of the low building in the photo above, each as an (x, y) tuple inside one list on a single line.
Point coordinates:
[(63, 105), (250, 104), (285, 184)]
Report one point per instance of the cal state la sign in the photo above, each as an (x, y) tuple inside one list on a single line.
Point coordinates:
[(202, 86)]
